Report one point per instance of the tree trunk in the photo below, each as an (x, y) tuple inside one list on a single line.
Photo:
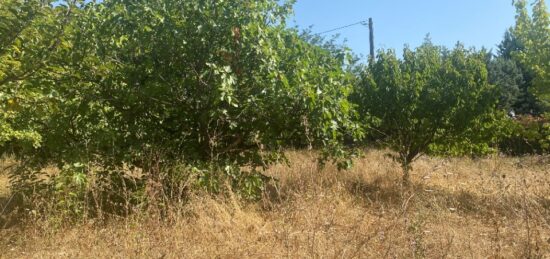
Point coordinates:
[(406, 174)]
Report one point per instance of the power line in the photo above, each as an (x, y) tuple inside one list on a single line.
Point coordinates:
[(364, 22)]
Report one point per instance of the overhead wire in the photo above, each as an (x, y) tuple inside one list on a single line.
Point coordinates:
[(364, 22)]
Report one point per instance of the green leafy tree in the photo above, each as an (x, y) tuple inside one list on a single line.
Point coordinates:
[(218, 86), (505, 71), (534, 34), (432, 100)]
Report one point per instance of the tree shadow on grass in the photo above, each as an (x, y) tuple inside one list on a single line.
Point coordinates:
[(424, 197)]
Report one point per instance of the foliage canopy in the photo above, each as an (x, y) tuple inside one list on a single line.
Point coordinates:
[(533, 31), (215, 85), (432, 100)]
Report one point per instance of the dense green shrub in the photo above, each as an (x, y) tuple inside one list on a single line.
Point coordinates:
[(529, 135), (222, 87)]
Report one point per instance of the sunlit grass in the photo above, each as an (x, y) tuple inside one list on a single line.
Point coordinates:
[(493, 207)]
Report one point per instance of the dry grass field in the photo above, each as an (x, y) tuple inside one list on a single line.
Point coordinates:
[(457, 208)]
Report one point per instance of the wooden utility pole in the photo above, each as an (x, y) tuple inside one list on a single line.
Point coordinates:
[(371, 39)]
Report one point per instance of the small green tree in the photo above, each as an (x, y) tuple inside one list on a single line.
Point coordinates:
[(432, 100)]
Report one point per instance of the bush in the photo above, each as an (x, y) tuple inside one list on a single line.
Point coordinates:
[(221, 87), (529, 135)]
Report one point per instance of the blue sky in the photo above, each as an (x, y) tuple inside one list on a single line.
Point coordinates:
[(397, 22)]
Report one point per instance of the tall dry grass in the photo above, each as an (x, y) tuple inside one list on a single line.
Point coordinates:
[(475, 208)]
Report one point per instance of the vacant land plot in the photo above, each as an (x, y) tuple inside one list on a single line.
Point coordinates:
[(494, 207)]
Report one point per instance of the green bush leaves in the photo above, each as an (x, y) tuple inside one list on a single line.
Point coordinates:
[(432, 100), (154, 84)]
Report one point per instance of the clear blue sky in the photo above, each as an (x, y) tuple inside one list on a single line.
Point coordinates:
[(397, 22)]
